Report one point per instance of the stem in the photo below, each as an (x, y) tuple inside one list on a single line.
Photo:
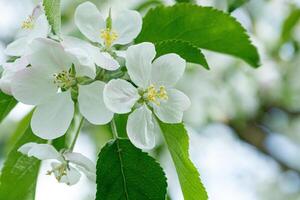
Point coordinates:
[(76, 133), (114, 129)]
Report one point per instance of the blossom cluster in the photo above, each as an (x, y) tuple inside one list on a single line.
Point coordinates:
[(102, 75)]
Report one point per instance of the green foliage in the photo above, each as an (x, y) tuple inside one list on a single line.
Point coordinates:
[(177, 141), (289, 24), (234, 4), (184, 1), (7, 103), (186, 50), (19, 174), (125, 172), (202, 27), (53, 13)]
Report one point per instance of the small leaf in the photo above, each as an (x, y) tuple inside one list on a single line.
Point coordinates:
[(177, 140), (7, 103), (19, 174), (202, 27), (289, 25), (53, 13), (187, 51), (125, 172), (235, 4)]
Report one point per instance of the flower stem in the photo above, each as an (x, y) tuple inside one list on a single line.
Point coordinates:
[(114, 129), (77, 131)]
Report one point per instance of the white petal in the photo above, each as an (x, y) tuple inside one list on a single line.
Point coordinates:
[(105, 60), (91, 104), (49, 55), (171, 111), (33, 85), (128, 25), (88, 54), (80, 160), (141, 128), (71, 178), (17, 47), (167, 69), (52, 119), (138, 61), (9, 71), (82, 50), (43, 152), (89, 21), (40, 29), (5, 81), (24, 149), (82, 70), (120, 96)]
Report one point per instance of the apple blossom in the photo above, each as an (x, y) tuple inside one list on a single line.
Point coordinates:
[(155, 92), (66, 166), (48, 84), (121, 29)]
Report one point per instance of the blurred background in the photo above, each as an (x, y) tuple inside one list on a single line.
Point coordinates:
[(244, 123)]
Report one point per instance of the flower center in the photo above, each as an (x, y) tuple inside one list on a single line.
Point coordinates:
[(109, 36), (28, 23), (59, 171), (64, 80), (155, 95)]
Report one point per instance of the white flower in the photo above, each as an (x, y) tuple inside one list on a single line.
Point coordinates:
[(35, 26), (67, 165), (155, 83), (9, 70), (48, 82), (119, 30)]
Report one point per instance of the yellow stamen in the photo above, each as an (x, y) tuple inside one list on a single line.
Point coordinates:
[(109, 36), (155, 96), (28, 23), (64, 80)]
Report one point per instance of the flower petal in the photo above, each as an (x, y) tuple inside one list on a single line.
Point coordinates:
[(49, 55), (39, 151), (167, 69), (91, 104), (128, 25), (105, 60), (89, 21), (171, 111), (33, 86), (138, 61), (88, 54), (120, 96), (40, 29), (43, 152), (9, 72), (80, 160), (80, 49), (71, 178), (52, 119), (17, 47), (141, 128), (24, 149)]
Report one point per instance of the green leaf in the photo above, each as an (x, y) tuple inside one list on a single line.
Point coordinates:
[(125, 172), (7, 103), (234, 4), (202, 27), (53, 13), (19, 174), (187, 51), (289, 25), (185, 1), (177, 140)]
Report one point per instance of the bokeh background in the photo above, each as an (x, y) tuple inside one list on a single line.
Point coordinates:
[(244, 123)]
